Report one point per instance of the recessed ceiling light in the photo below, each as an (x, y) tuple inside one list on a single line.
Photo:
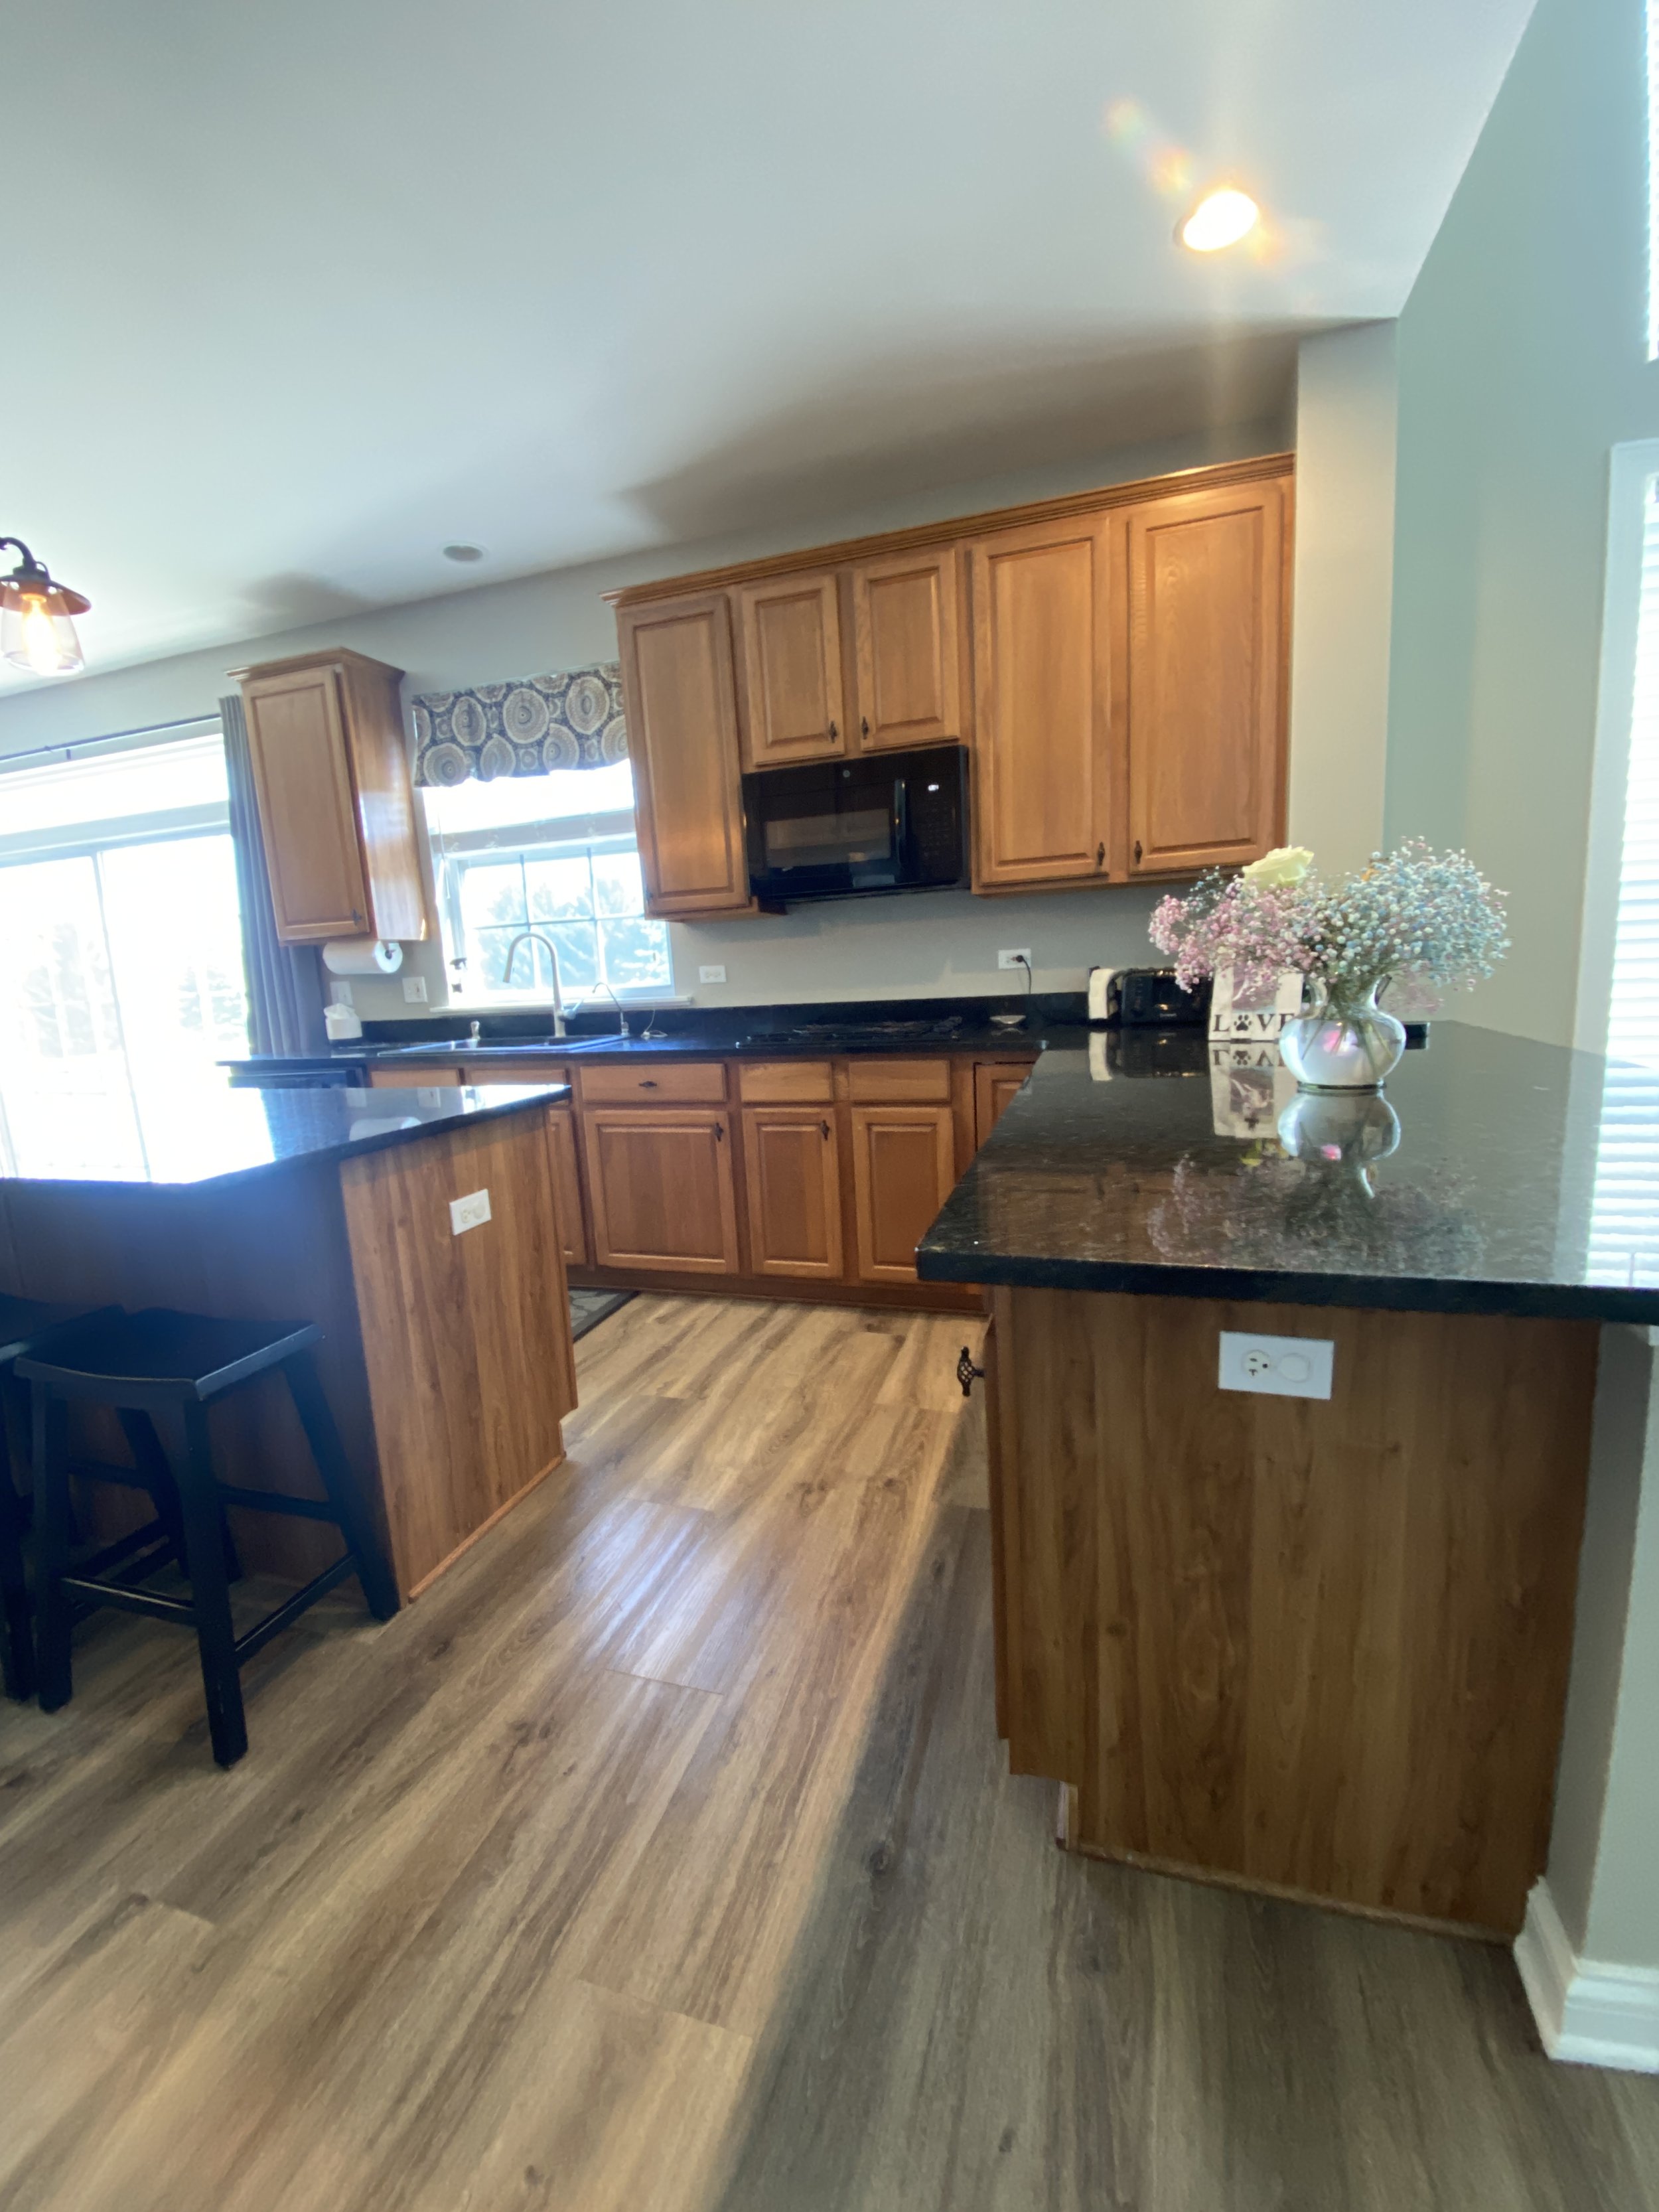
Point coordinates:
[(463, 552), (1221, 218)]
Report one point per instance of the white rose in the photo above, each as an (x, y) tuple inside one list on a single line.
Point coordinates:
[(1284, 865)]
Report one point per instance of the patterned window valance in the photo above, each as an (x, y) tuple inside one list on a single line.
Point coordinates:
[(526, 729)]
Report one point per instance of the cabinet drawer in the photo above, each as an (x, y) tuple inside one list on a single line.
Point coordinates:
[(415, 1075), (668, 1083), (912, 1081), (786, 1083)]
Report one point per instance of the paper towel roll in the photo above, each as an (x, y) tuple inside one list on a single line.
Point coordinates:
[(362, 955)]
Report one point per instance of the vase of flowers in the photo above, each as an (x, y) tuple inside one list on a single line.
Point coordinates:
[(1424, 921)]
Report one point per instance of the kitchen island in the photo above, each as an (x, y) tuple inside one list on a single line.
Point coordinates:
[(445, 1355), (1317, 1646)]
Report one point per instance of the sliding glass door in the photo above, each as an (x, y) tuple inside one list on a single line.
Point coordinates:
[(121, 977)]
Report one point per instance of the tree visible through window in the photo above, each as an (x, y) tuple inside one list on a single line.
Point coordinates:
[(536, 868)]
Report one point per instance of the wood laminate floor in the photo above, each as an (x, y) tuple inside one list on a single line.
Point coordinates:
[(662, 1856)]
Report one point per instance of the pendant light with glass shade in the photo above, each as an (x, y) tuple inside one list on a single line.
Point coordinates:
[(37, 631)]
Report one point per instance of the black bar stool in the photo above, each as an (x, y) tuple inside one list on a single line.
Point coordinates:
[(27, 1325), (177, 1363)]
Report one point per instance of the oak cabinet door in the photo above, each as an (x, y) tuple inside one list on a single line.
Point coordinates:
[(661, 1187), (995, 1082), (567, 1184), (1204, 715), (904, 1168), (1042, 704), (905, 629), (791, 631), (791, 1167), (308, 808), (680, 703)]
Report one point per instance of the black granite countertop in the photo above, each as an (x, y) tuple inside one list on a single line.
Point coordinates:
[(1497, 1176), (213, 1133), (1011, 1023)]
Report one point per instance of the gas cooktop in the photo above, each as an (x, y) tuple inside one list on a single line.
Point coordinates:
[(831, 1033)]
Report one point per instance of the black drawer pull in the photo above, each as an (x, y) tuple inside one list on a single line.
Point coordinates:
[(967, 1373), (647, 1083)]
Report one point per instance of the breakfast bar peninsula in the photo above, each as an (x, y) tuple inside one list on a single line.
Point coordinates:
[(416, 1227)]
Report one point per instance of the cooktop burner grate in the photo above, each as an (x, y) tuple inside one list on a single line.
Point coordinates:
[(843, 1033)]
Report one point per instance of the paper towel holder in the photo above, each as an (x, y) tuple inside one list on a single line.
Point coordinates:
[(362, 955)]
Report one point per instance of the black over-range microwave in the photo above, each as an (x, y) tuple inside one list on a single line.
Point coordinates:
[(843, 828)]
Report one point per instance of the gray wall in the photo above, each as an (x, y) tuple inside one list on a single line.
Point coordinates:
[(1522, 361), (1345, 452)]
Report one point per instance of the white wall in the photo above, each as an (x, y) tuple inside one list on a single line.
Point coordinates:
[(1522, 363), (1347, 403)]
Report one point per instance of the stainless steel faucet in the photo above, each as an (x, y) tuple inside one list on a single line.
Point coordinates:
[(535, 937)]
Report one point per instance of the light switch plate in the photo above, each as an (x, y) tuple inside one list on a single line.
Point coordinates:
[(414, 990), (1280, 1366), (711, 975), (468, 1212), (1020, 958)]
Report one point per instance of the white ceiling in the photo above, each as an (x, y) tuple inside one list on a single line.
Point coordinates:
[(298, 293)]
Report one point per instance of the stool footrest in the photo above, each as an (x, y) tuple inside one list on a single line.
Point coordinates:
[(277, 1501), (130, 1600), (273, 1623), (108, 1470), (154, 1534)]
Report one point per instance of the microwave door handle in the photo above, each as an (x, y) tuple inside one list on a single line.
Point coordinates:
[(901, 824)]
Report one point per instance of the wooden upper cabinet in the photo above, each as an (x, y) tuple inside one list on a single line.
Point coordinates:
[(681, 704), (791, 631), (1205, 678), (331, 772), (1042, 705), (906, 637)]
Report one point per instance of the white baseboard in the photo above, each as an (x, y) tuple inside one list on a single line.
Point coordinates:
[(1589, 2013)]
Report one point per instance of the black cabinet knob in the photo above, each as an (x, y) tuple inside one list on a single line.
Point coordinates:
[(1100, 855), (1137, 848), (824, 1126), (832, 729), (967, 1373)]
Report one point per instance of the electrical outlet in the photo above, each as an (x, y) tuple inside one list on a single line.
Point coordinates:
[(414, 990), (1280, 1366), (342, 992), (1019, 959), (711, 975), (469, 1213)]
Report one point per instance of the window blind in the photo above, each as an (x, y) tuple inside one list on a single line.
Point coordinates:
[(1624, 1236)]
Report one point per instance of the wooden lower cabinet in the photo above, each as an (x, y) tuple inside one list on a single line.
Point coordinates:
[(995, 1085), (791, 1168), (567, 1184), (903, 1168), (661, 1186)]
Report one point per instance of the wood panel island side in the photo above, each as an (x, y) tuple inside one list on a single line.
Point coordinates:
[(1315, 1647), (447, 1356)]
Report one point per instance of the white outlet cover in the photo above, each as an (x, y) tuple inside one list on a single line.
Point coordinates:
[(1278, 1366), (469, 1213), (1020, 958), (711, 975), (414, 990)]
